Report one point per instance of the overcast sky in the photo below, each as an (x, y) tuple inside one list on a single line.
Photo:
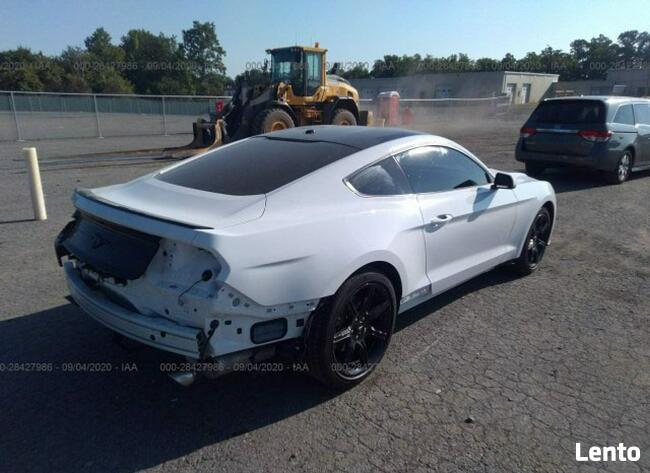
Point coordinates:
[(353, 31)]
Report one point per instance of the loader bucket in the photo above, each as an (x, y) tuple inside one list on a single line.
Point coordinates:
[(366, 118), (207, 136)]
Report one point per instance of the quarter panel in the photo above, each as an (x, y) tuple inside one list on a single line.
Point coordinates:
[(310, 240)]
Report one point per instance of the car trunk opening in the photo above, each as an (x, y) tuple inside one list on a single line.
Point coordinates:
[(117, 230), (107, 248)]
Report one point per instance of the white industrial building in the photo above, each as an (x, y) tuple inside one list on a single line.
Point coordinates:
[(629, 82), (522, 87)]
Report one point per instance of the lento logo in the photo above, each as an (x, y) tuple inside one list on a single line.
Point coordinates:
[(97, 241), (607, 454)]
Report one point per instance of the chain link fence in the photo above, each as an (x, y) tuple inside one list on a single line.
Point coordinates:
[(46, 115)]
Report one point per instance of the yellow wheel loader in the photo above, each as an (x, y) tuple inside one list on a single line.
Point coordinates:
[(300, 92)]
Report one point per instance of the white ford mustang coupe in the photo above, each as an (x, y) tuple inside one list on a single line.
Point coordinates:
[(308, 238)]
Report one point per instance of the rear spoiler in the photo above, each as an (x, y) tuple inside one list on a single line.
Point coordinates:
[(90, 195)]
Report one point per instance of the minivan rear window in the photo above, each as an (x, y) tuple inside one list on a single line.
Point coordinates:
[(573, 112), (255, 166)]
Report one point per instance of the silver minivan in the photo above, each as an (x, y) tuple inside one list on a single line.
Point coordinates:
[(610, 134)]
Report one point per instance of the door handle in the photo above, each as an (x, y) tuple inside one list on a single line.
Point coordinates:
[(444, 218)]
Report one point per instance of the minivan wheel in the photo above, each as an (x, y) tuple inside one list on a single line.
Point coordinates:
[(349, 334), (535, 169), (623, 169), (535, 245)]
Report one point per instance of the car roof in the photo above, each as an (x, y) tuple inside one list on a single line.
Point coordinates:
[(614, 99), (360, 137)]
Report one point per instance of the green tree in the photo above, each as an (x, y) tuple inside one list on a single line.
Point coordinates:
[(508, 62), (628, 46), (156, 64), (255, 77), (601, 56), (86, 72), (487, 64), (202, 50), (359, 71), (99, 43), (21, 69), (555, 61)]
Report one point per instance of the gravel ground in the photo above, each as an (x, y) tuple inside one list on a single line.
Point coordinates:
[(500, 374)]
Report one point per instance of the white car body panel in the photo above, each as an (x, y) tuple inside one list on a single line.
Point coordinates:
[(278, 254)]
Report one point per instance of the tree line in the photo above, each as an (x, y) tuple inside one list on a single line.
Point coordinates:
[(586, 59), (146, 63), (143, 63)]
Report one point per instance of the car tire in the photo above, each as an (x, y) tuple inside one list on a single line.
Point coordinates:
[(272, 119), (535, 169), (349, 333), (535, 244), (343, 117), (622, 171)]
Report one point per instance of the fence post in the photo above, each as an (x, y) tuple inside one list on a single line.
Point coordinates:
[(99, 128), (164, 116), (13, 106)]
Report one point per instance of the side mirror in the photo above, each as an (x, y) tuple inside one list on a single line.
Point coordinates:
[(503, 181)]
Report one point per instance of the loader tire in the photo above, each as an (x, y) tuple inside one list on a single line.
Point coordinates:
[(344, 117), (272, 119)]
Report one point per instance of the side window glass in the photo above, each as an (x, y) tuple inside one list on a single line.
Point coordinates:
[(439, 169), (383, 178), (642, 113), (624, 115)]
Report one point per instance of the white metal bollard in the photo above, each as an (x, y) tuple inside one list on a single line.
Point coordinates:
[(35, 186)]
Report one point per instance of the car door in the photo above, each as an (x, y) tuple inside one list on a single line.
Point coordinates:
[(642, 116), (467, 225)]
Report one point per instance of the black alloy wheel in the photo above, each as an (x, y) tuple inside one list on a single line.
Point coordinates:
[(362, 330), (349, 334), (535, 244)]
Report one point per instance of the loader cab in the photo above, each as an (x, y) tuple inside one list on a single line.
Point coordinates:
[(302, 67)]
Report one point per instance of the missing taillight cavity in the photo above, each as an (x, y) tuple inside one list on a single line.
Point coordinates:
[(526, 132), (595, 136)]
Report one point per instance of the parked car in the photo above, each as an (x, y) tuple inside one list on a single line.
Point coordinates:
[(307, 238), (610, 134)]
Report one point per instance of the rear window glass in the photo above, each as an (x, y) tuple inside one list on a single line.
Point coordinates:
[(255, 166), (569, 112), (624, 115)]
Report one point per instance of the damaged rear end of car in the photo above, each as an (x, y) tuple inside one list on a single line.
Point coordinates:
[(160, 280)]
